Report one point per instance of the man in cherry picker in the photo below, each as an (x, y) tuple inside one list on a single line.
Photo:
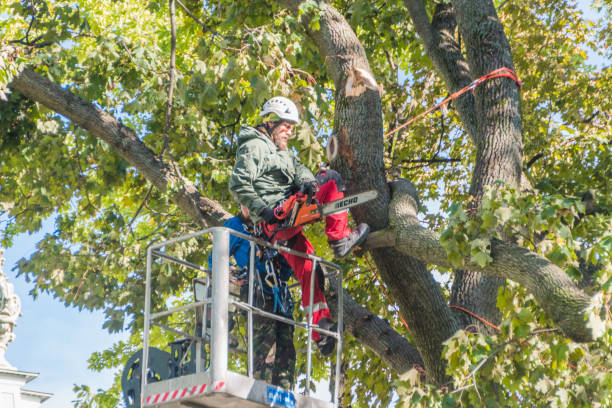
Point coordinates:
[(265, 174), (270, 293)]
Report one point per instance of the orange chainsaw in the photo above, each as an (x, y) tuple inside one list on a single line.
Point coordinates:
[(301, 209)]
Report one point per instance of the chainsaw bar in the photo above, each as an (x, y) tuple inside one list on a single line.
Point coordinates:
[(295, 212), (345, 203)]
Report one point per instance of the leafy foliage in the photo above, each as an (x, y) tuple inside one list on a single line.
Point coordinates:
[(526, 363), (237, 54), (554, 225)]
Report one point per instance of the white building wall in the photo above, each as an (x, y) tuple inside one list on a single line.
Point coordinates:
[(7, 399), (31, 401), (12, 394)]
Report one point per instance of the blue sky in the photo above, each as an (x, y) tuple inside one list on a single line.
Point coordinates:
[(53, 340)]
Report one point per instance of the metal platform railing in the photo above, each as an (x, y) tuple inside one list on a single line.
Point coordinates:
[(220, 301)]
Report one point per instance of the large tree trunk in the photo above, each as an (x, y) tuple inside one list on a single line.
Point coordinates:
[(358, 127), (499, 143), (492, 118)]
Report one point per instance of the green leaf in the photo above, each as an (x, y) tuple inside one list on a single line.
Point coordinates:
[(489, 220), (481, 258), (560, 255), (503, 214), (449, 401), (456, 259)]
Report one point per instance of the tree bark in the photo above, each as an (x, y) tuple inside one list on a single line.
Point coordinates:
[(499, 143), (358, 127)]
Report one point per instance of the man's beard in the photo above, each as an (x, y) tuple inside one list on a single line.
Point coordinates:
[(280, 144)]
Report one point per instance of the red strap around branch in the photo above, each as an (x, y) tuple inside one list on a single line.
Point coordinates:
[(498, 73), (476, 316)]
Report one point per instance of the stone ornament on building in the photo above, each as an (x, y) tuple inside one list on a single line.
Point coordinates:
[(10, 308)]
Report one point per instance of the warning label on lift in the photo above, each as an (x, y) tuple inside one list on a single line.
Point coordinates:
[(279, 397)]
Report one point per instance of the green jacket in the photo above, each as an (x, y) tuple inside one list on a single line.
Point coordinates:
[(264, 175)]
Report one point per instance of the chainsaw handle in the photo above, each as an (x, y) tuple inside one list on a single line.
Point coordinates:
[(282, 211), (308, 190)]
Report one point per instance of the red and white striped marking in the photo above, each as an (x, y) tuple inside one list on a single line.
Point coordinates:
[(181, 393)]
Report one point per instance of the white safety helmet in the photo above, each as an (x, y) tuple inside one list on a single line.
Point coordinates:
[(282, 107)]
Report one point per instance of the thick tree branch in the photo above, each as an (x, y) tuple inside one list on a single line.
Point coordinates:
[(469, 289), (554, 290), (375, 333), (499, 154), (124, 142)]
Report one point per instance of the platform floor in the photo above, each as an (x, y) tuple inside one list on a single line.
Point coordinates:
[(234, 391)]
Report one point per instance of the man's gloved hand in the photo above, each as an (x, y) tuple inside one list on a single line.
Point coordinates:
[(268, 216), (309, 188)]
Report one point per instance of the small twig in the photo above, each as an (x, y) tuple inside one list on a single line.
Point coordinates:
[(171, 72), (152, 211), (391, 62), (425, 163), (204, 27), (311, 80), (146, 237), (81, 172), (442, 134), (372, 280), (590, 118), (193, 17), (131, 57), (355, 273), (231, 125), (76, 294), (79, 287), (501, 5), (238, 50), (31, 44), (476, 387), (533, 160), (142, 204), (540, 331)]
